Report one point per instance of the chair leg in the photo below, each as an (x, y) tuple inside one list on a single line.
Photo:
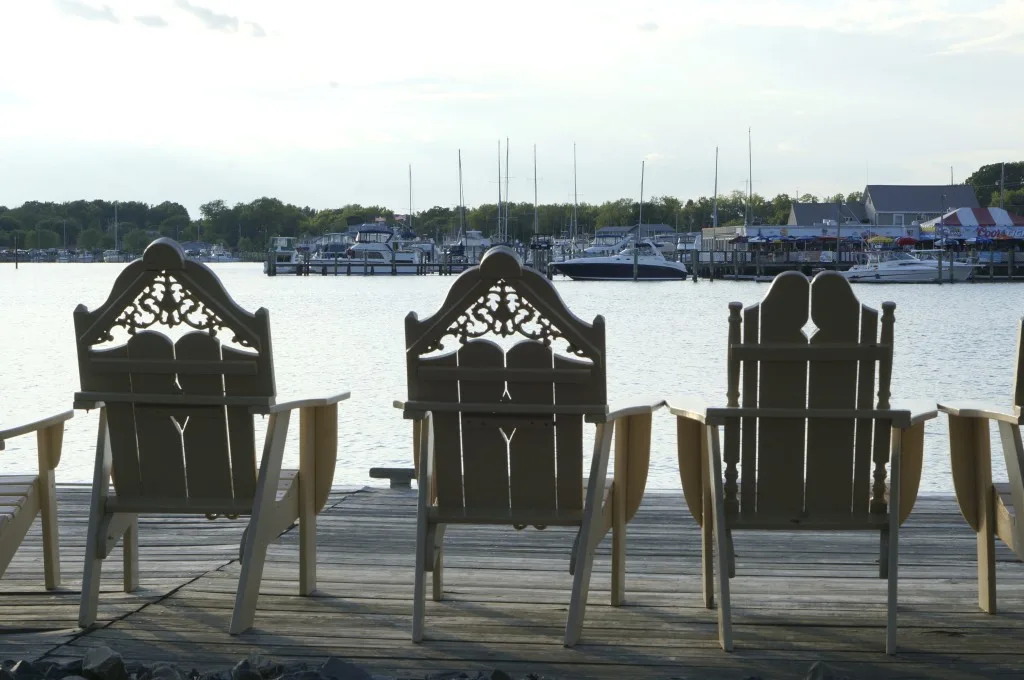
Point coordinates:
[(419, 598), (895, 480), (307, 539), (437, 568), (707, 536), (883, 553), (130, 550), (588, 532), (722, 540), (51, 537), (255, 553), (91, 574)]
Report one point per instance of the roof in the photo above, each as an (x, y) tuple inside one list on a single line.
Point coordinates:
[(921, 198), (647, 229), (978, 217), (810, 214)]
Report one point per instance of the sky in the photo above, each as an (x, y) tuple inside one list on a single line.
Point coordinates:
[(323, 103)]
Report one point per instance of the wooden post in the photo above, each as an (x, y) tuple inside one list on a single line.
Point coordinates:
[(1009, 266), (939, 278)]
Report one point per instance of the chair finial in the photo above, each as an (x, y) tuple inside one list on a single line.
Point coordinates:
[(164, 253), (501, 262)]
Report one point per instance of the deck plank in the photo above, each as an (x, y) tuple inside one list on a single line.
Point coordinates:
[(798, 598)]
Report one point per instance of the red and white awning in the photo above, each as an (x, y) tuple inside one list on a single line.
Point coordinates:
[(977, 217)]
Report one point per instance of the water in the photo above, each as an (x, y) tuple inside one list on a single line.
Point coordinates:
[(668, 338)]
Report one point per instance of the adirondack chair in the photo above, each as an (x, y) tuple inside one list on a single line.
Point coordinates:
[(23, 497), (176, 425), (991, 509), (801, 432), (498, 435)]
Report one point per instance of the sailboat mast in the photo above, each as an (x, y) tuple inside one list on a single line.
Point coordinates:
[(750, 179), (506, 234), (575, 223), (714, 210), (462, 202), (536, 220), (499, 189), (642, 164), (410, 196)]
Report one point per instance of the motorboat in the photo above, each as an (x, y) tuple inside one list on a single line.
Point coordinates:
[(283, 255), (646, 256), (469, 248), (376, 250), (903, 267), (113, 256)]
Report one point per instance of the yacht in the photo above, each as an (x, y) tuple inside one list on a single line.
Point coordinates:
[(284, 255), (651, 265), (113, 256), (608, 241), (471, 247), (903, 267), (376, 251)]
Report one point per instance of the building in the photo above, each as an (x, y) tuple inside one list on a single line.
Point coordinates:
[(974, 223), (888, 205)]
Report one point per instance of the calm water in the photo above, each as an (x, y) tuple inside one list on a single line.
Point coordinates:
[(952, 341)]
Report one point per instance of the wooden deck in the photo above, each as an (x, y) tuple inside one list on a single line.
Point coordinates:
[(797, 598)]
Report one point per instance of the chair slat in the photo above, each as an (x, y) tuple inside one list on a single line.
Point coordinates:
[(161, 456), (120, 419), (835, 311), (865, 426), (532, 449), (485, 482), (783, 384), (205, 437), (447, 435), (748, 424), (569, 440)]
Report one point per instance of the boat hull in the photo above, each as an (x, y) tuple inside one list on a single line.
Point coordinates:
[(961, 272), (620, 271)]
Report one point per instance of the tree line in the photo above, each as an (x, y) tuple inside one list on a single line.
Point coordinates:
[(90, 225)]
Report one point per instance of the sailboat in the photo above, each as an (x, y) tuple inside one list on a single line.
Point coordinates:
[(471, 244)]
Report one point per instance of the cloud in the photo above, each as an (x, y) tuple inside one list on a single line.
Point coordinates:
[(87, 12), (334, 84), (647, 27), (223, 23), (151, 20)]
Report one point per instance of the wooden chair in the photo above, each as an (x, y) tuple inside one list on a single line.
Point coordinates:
[(22, 497), (991, 509), (498, 434), (176, 430), (805, 446)]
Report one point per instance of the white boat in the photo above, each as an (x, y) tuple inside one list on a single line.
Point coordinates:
[(283, 255), (608, 242), (113, 256), (376, 251), (471, 247), (902, 267), (651, 265)]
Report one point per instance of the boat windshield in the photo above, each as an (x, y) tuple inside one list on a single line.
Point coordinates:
[(373, 236)]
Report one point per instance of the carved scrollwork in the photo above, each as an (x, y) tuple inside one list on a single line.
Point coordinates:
[(504, 312), (168, 302)]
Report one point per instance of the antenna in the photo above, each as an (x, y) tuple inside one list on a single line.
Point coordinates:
[(410, 196), (499, 189), (505, 239)]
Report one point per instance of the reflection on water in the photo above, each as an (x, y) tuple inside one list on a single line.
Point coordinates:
[(952, 342)]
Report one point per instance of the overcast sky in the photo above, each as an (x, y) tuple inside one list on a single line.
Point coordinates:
[(326, 102)]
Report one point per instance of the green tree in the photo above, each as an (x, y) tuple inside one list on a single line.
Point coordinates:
[(41, 238), (90, 239), (246, 245), (136, 240), (985, 181)]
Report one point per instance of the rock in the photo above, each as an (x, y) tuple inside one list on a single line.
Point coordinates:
[(448, 675), (103, 663), (25, 670), (339, 669), (72, 668), (165, 672), (820, 670), (304, 674), (245, 670)]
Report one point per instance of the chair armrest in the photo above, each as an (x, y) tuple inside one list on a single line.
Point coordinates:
[(12, 431), (625, 409), (414, 414), (917, 410), (283, 406), (691, 408), (977, 409)]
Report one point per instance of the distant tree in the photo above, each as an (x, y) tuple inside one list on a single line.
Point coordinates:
[(136, 240), (90, 239), (41, 238), (246, 245), (9, 223), (985, 181), (855, 197)]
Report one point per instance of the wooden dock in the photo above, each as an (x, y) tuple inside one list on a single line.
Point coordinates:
[(797, 598)]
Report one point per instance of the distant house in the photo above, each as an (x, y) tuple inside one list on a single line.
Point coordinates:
[(888, 205), (646, 230), (903, 204), (813, 214)]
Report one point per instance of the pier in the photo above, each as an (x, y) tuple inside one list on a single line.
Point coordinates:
[(798, 598)]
